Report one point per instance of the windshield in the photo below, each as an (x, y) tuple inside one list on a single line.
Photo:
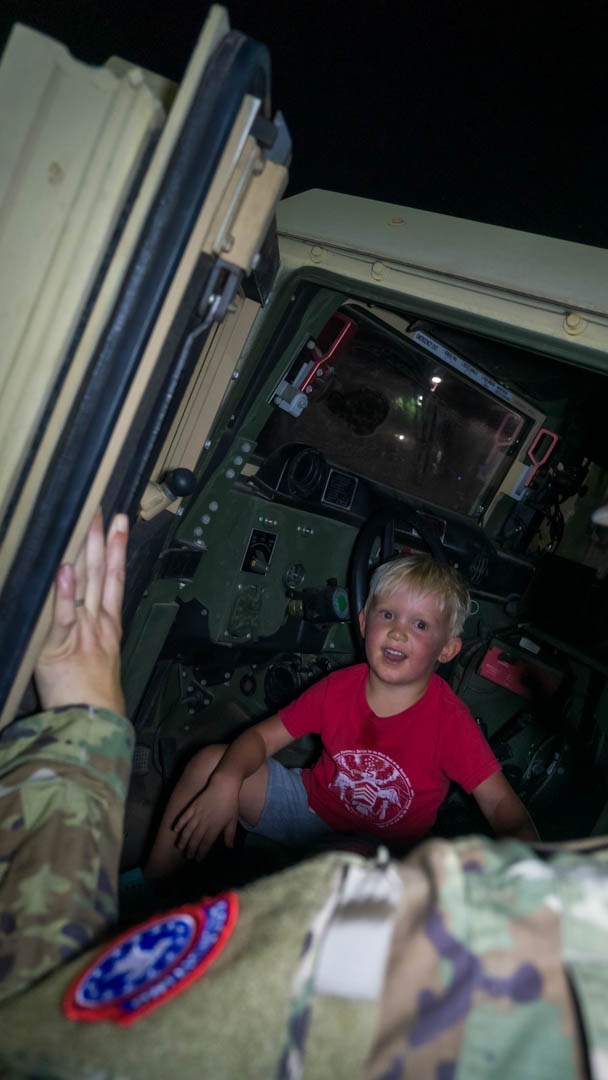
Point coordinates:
[(388, 408)]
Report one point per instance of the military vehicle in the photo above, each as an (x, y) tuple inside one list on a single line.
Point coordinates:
[(281, 394)]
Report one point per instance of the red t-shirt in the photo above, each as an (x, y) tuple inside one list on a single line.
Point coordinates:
[(386, 775)]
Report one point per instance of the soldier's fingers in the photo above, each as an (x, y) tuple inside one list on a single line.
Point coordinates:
[(116, 555), (80, 576), (94, 564), (64, 613)]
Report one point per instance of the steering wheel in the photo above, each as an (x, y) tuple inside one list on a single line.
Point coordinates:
[(383, 523)]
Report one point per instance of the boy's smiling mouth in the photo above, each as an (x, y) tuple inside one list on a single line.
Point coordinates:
[(394, 654)]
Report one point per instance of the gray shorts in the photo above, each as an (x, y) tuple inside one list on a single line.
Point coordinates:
[(286, 816)]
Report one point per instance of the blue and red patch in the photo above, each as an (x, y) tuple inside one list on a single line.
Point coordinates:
[(152, 962)]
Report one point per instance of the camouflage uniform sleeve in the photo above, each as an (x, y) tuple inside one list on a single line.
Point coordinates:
[(63, 781), (481, 980)]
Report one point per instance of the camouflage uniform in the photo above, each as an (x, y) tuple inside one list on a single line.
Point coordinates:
[(63, 782), (496, 963), (499, 964)]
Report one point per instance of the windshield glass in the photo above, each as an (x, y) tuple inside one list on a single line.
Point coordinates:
[(390, 410)]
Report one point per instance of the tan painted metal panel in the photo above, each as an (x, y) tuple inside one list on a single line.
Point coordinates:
[(248, 230), (22, 375), (538, 292), (73, 137), (215, 28), (211, 378), (525, 264)]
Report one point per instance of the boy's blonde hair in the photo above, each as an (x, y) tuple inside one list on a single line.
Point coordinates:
[(423, 574)]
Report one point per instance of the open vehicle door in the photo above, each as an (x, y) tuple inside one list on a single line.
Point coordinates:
[(130, 219)]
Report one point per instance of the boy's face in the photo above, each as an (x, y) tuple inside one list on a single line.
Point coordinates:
[(406, 635)]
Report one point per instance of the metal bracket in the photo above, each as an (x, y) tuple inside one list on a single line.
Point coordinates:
[(250, 180)]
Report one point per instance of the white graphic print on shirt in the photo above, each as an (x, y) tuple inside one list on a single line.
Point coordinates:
[(372, 785)]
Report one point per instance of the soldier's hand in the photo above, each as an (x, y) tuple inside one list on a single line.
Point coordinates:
[(80, 660)]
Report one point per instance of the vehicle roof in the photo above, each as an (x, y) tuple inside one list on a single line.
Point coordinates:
[(519, 262)]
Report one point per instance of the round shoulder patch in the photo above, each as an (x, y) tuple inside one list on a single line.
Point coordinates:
[(150, 963)]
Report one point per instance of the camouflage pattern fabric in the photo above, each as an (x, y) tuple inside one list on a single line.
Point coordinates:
[(291, 1063), (63, 781), (499, 965), (231, 1023), (497, 962)]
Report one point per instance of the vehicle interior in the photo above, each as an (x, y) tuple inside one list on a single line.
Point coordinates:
[(356, 432), (270, 458)]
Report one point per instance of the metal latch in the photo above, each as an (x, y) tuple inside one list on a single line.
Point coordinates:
[(290, 394), (251, 177)]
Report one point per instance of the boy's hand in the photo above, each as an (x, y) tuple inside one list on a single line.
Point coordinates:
[(504, 810), (209, 814), (80, 659)]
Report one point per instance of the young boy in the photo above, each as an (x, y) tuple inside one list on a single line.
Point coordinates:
[(393, 737)]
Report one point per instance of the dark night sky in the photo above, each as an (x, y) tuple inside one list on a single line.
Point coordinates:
[(494, 111)]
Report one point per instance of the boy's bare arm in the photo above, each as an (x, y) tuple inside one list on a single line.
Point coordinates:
[(504, 810), (216, 808), (251, 749)]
